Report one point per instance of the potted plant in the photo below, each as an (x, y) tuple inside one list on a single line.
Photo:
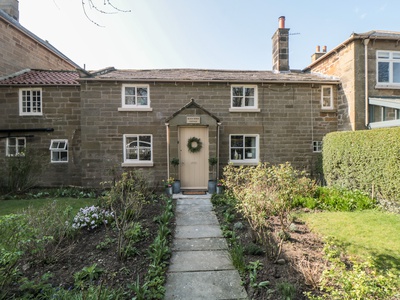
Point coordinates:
[(177, 182), (220, 187), (168, 185), (213, 181)]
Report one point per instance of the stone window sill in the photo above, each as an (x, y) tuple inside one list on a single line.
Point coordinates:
[(141, 164)]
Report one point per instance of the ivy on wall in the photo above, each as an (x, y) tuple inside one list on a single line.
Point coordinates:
[(368, 160)]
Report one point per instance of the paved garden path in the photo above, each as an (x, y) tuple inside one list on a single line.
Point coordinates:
[(200, 265)]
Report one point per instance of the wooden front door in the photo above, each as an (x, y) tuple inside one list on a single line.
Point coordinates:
[(193, 166)]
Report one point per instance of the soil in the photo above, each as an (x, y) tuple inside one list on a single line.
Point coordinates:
[(83, 252), (299, 263)]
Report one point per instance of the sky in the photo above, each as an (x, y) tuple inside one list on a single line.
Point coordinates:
[(203, 34)]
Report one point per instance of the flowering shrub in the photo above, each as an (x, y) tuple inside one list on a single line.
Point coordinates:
[(168, 182), (91, 217)]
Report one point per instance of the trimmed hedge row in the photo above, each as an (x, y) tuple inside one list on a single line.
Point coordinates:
[(368, 160)]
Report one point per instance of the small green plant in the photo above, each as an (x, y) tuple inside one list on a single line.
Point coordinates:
[(237, 257), (106, 244), (287, 290), (253, 267), (355, 279), (253, 249), (87, 275)]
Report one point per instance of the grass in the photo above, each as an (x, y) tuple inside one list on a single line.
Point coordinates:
[(364, 233), (16, 206)]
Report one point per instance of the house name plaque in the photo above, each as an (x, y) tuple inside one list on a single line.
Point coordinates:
[(193, 120)]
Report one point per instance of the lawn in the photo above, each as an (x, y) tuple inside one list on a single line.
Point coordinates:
[(364, 233), (15, 206)]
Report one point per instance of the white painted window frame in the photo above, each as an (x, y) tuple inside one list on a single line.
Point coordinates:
[(243, 108), (136, 106), (330, 97), (391, 60), (137, 162), (23, 107), (19, 151), (245, 160), (317, 146), (59, 146)]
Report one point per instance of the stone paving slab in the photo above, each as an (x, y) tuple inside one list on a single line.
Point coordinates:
[(220, 285), (197, 231), (187, 261), (199, 244), (196, 218)]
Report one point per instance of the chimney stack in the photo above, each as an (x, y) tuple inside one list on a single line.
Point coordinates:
[(11, 8), (318, 53), (280, 47)]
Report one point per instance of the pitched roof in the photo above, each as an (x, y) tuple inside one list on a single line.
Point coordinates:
[(46, 44), (204, 75), (41, 77), (373, 35)]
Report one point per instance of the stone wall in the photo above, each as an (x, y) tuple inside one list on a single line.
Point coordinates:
[(289, 120), (61, 111), (18, 51)]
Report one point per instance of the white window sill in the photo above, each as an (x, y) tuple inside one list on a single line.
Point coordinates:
[(243, 163), (232, 109), (59, 162), (137, 164), (387, 86), (135, 109)]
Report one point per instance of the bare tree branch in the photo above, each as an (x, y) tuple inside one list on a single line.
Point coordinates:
[(94, 6)]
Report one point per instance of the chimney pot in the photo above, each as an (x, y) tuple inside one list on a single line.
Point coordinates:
[(282, 22), (324, 49), (318, 49)]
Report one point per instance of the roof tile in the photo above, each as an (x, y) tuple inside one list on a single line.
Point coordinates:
[(42, 77)]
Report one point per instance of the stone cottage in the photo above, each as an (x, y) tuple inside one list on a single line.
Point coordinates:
[(93, 125)]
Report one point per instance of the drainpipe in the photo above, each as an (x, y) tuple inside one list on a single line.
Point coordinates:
[(218, 125), (366, 41), (167, 131)]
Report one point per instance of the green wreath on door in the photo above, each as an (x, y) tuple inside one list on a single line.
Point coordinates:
[(194, 144)]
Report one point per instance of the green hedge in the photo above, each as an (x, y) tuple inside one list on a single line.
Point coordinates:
[(368, 160)]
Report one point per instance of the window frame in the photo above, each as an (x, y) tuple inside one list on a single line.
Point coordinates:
[(137, 162), (18, 153), (244, 108), (330, 97), (59, 150), (391, 60), (317, 146), (31, 101), (136, 106), (245, 161)]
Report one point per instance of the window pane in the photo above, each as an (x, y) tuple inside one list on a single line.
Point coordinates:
[(383, 54), (237, 141), (237, 102), (396, 55), (237, 91), (249, 101), (250, 153), (250, 92), (383, 72), (142, 100), (236, 154), (130, 91), (250, 141), (145, 154), (396, 72), (142, 92)]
